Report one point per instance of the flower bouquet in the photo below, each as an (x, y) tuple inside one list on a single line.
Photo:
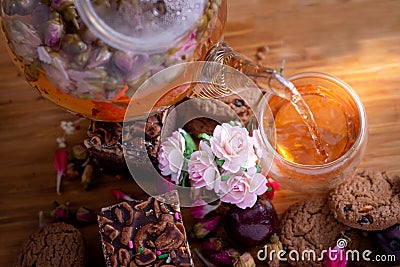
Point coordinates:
[(226, 162)]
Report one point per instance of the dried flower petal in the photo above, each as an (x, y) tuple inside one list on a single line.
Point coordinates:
[(44, 55), (212, 245), (61, 213), (72, 172), (55, 30), (60, 164), (226, 256), (80, 152), (199, 209), (119, 194), (88, 175), (202, 228), (245, 260), (85, 215), (274, 244), (61, 4)]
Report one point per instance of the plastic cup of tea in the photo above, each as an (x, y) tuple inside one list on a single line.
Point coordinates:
[(342, 126)]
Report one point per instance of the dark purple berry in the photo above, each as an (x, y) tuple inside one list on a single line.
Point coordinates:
[(395, 245), (251, 226), (388, 241)]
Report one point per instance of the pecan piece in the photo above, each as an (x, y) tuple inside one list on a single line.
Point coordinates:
[(152, 229), (113, 260), (157, 211), (103, 220), (120, 216), (146, 257), (141, 235), (164, 209), (124, 257), (153, 129), (170, 239), (111, 232), (129, 209), (95, 141), (126, 235), (109, 249), (142, 205), (150, 243), (181, 227)]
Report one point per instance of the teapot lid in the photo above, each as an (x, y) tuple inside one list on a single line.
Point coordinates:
[(141, 25)]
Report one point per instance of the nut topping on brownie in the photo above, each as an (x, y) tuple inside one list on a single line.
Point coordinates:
[(145, 233)]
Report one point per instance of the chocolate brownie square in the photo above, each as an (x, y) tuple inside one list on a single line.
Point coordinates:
[(104, 141)]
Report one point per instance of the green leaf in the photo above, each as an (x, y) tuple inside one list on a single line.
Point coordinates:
[(204, 136), (183, 178), (249, 126), (258, 167), (225, 177), (269, 189), (189, 143), (219, 162), (184, 174), (235, 123), (243, 169)]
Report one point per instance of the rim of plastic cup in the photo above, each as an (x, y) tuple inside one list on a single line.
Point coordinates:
[(360, 109)]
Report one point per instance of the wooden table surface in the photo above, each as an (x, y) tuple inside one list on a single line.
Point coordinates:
[(356, 40)]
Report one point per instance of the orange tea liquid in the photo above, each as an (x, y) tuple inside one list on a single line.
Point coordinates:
[(335, 116)]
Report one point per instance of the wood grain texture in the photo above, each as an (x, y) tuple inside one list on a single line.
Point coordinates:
[(355, 40)]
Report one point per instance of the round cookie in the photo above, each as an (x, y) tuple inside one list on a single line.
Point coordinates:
[(308, 227), (370, 201), (56, 244)]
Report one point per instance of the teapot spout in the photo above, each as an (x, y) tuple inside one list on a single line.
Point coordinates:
[(267, 79)]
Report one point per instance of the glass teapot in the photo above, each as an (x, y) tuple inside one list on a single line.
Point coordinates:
[(91, 56)]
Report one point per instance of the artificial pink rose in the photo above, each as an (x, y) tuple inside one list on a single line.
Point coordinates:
[(242, 188), (170, 156), (233, 145), (202, 169)]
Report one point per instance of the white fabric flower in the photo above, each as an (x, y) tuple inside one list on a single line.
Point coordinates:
[(170, 156), (233, 145), (242, 188), (202, 169)]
